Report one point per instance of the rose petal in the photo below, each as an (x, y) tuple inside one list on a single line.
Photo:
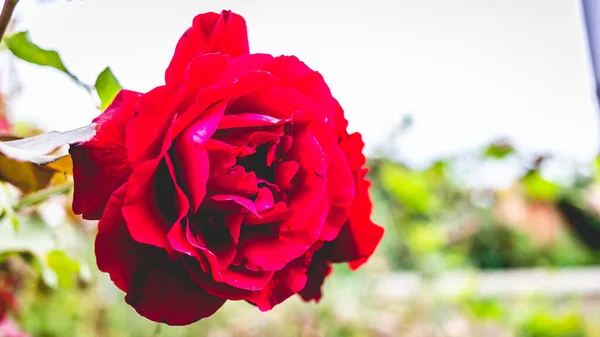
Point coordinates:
[(100, 165), (285, 172), (309, 198), (230, 203), (296, 74), (264, 200), (165, 292), (340, 192), (154, 203), (234, 224), (270, 250), (282, 103), (246, 279), (243, 64), (213, 287), (233, 180), (148, 133), (352, 147), (285, 283), (319, 269), (210, 33), (358, 239), (179, 241), (279, 212), (339, 120), (216, 238), (243, 120), (244, 141), (152, 281), (191, 157), (245, 84)]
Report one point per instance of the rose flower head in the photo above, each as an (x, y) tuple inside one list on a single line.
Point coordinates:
[(236, 180)]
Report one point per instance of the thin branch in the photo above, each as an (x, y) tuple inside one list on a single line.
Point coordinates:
[(6, 15), (43, 195)]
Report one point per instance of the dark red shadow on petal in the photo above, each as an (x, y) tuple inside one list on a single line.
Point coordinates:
[(154, 203), (317, 272), (157, 287)]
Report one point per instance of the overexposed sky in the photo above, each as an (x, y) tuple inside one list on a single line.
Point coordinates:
[(467, 70)]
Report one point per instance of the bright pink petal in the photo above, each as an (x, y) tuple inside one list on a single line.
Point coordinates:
[(100, 165), (264, 200), (243, 120), (210, 33), (158, 288)]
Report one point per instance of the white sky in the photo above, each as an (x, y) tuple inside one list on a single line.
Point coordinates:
[(467, 70)]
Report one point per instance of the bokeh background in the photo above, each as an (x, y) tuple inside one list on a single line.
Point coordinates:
[(482, 131)]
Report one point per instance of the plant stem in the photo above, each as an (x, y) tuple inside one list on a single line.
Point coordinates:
[(6, 15), (43, 195)]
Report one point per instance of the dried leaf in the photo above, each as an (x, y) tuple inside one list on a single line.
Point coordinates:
[(29, 163)]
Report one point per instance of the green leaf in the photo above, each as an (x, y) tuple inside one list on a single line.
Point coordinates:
[(22, 47), (485, 308), (65, 268), (538, 188), (426, 239), (107, 86), (499, 150), (410, 188), (29, 163)]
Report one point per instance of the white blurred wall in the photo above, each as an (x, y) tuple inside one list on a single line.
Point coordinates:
[(467, 70)]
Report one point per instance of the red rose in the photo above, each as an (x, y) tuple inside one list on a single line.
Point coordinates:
[(236, 180)]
